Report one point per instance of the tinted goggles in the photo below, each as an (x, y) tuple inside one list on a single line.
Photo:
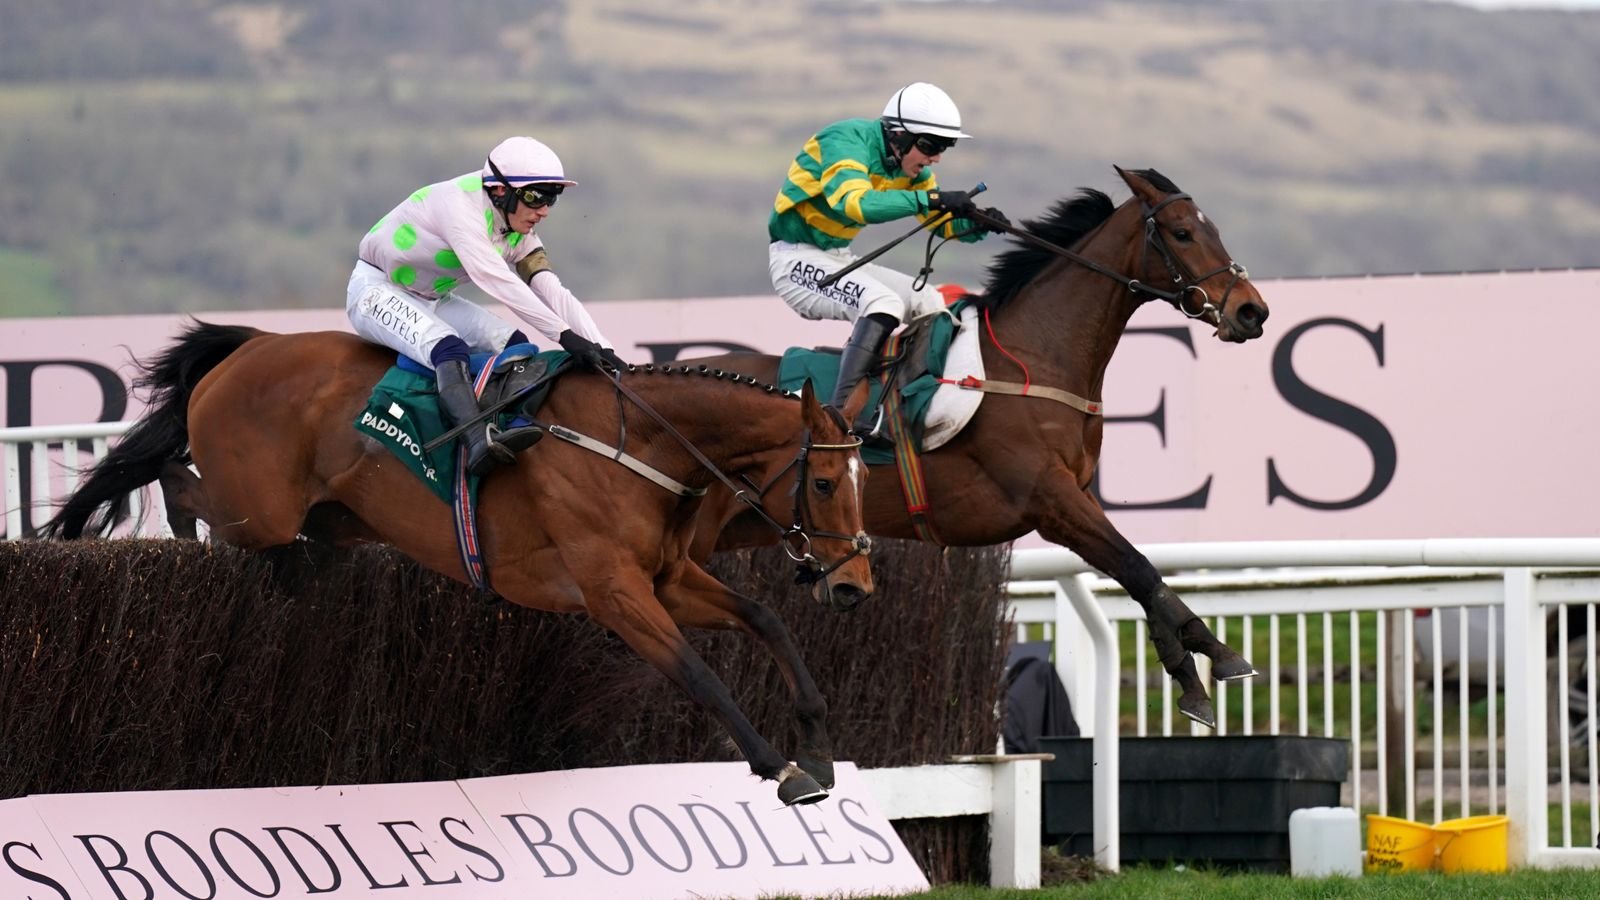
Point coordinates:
[(538, 196), (933, 144)]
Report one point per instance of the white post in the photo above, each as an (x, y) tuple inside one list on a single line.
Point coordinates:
[(1015, 824), (1107, 772), (1526, 765), (11, 469), (1074, 662)]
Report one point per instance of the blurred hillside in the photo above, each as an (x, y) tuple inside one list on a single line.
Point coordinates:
[(164, 155)]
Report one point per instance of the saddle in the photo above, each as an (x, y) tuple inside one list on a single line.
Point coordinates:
[(403, 412), (914, 368), (516, 367)]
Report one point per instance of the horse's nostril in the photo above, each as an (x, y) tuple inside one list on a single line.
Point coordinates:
[(1251, 314), (847, 597)]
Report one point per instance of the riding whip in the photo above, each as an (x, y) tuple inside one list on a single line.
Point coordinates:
[(937, 220)]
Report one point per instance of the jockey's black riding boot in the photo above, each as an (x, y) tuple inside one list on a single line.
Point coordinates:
[(860, 356), (459, 403)]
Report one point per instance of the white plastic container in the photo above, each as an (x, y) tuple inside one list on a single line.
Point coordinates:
[(1324, 841)]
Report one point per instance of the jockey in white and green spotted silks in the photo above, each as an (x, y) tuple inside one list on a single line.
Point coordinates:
[(477, 227)]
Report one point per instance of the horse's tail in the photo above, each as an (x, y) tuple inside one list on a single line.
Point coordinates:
[(160, 437)]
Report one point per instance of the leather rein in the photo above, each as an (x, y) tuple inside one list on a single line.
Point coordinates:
[(1189, 285), (795, 538)]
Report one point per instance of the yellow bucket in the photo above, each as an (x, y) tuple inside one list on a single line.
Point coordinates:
[(1473, 844), (1398, 845)]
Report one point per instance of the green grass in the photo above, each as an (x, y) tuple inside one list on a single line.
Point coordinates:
[(1166, 884), (29, 285)]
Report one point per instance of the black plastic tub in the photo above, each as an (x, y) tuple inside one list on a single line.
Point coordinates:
[(1222, 801)]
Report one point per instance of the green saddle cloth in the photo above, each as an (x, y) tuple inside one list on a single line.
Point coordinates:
[(916, 393), (403, 414)]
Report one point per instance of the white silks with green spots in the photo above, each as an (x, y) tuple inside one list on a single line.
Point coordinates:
[(443, 235)]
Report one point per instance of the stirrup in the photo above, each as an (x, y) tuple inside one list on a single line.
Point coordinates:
[(519, 439), (497, 448), (875, 430)]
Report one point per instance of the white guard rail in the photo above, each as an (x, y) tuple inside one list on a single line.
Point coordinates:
[(48, 460), (1520, 584)]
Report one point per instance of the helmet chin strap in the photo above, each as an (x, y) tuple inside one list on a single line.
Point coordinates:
[(506, 202), (898, 143)]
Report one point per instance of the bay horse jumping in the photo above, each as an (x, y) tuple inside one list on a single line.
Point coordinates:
[(1025, 463), (267, 419)]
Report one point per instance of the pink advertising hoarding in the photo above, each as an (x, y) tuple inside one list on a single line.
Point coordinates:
[(702, 830), (31, 864), (1394, 407), (660, 831), (390, 840)]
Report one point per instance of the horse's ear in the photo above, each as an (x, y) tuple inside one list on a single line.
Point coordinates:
[(1140, 186), (808, 395), (811, 410)]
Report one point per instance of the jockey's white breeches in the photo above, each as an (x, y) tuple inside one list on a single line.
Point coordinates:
[(796, 269), (388, 314)]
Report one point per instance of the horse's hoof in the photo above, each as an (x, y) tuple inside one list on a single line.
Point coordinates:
[(1198, 709), (798, 789), (818, 767), (1232, 668)]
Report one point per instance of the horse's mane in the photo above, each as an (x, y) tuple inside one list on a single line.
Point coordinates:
[(1065, 224), (717, 374)]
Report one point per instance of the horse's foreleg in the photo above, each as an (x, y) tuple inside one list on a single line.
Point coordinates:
[(1195, 635), (697, 600), (1070, 517), (627, 605)]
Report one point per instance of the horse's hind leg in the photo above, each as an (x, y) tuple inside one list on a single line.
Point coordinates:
[(625, 603), (1072, 518), (183, 497), (697, 600)]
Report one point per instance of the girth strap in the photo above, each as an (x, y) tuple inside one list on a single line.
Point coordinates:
[(1081, 404), (633, 463)]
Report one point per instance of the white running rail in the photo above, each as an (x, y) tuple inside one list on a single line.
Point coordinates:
[(1517, 585), (49, 459)]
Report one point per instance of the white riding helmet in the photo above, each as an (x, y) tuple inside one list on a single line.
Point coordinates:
[(523, 161), (922, 108)]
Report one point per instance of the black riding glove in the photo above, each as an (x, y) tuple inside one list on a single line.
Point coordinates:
[(587, 353), (958, 203), (999, 219), (613, 360)]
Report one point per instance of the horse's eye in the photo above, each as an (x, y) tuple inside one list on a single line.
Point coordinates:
[(823, 486), (1183, 234)]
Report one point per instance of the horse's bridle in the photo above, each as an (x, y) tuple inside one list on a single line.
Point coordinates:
[(795, 538), (1189, 284)]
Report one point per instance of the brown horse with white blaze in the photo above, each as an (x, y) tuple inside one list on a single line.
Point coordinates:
[(267, 419), (1026, 463)]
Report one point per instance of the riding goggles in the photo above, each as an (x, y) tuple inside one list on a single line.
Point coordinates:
[(538, 196), (933, 144)]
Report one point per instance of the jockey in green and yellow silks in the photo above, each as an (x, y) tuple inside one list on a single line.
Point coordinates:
[(855, 173)]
